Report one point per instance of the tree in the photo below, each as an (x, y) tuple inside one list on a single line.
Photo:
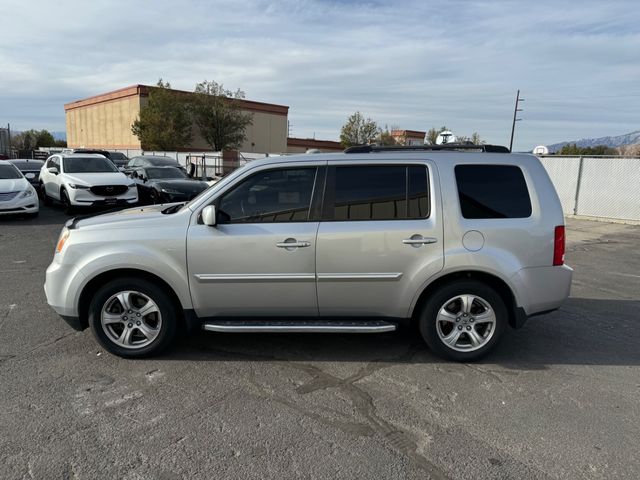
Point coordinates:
[(432, 134), (164, 122), (476, 140), (33, 139), (218, 114), (573, 149), (385, 137), (358, 131)]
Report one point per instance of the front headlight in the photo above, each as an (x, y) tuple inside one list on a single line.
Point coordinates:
[(78, 186), (29, 192), (171, 191)]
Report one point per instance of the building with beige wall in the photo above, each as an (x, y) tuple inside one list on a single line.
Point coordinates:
[(104, 121)]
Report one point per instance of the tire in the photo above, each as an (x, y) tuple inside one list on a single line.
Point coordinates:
[(463, 320), (46, 199), (149, 333), (66, 203)]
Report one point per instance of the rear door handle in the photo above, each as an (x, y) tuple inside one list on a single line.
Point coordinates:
[(292, 243), (417, 240)]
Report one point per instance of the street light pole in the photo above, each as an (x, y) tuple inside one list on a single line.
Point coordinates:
[(515, 119)]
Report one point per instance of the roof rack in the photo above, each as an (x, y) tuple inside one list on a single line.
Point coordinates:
[(444, 147)]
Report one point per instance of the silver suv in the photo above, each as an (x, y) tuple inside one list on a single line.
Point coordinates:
[(459, 243)]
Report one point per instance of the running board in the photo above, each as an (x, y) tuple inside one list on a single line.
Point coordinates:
[(299, 326)]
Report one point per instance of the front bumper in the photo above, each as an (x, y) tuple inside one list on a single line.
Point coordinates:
[(20, 205), (85, 198), (62, 286)]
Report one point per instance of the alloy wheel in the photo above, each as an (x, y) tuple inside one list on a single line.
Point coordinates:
[(466, 323), (131, 319)]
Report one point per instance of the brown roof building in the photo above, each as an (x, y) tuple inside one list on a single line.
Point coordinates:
[(104, 121), (408, 137)]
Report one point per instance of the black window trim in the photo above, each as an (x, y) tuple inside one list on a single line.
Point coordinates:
[(316, 194), (330, 191)]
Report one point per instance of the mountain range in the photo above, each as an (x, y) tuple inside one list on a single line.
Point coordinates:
[(617, 141)]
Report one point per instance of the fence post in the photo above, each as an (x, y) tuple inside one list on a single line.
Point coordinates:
[(575, 203)]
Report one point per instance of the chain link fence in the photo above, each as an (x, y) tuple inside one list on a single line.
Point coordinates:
[(605, 187)]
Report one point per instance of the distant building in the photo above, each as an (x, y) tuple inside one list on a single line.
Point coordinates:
[(104, 121), (301, 145), (408, 137)]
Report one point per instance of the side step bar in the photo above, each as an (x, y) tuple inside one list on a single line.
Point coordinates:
[(300, 326)]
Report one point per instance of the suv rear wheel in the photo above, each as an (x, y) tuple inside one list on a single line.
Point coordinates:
[(132, 317), (463, 321)]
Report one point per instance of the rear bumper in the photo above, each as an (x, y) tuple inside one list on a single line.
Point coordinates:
[(541, 289)]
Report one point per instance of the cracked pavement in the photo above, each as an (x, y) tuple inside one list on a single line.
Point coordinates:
[(559, 398)]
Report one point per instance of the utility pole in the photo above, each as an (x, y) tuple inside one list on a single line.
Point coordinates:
[(9, 135), (515, 119)]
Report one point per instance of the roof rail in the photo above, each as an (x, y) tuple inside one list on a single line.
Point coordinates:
[(444, 147)]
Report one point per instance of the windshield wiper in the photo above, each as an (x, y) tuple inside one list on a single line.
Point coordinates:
[(173, 208)]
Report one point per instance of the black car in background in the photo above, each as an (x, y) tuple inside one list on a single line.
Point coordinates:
[(119, 159), (30, 168), (165, 184), (153, 161)]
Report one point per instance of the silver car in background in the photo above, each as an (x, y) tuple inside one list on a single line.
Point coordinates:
[(460, 244)]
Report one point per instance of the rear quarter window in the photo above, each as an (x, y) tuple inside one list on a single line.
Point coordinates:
[(492, 191)]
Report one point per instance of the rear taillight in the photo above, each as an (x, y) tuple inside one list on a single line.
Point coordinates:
[(558, 245)]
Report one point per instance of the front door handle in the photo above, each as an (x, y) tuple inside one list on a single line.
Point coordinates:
[(292, 244), (417, 240)]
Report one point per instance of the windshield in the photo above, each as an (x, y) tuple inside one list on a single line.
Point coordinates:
[(117, 156), (165, 172), (88, 165), (162, 161), (9, 172), (33, 165)]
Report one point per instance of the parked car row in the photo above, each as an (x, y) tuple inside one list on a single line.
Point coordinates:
[(88, 178)]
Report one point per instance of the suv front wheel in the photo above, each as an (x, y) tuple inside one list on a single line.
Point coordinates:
[(463, 320), (132, 318)]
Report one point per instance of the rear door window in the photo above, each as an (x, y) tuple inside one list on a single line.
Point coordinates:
[(492, 191), (378, 192)]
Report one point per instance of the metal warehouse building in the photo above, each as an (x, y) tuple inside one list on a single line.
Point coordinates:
[(104, 121)]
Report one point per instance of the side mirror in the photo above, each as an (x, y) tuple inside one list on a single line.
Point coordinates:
[(209, 215), (53, 170)]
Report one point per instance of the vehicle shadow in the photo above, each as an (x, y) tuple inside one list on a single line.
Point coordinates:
[(51, 215), (583, 332)]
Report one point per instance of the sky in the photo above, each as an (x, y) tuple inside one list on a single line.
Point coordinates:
[(407, 64)]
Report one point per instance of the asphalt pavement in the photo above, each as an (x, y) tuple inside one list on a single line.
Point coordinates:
[(559, 398)]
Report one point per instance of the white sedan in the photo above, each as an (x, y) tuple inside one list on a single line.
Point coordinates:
[(17, 196)]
